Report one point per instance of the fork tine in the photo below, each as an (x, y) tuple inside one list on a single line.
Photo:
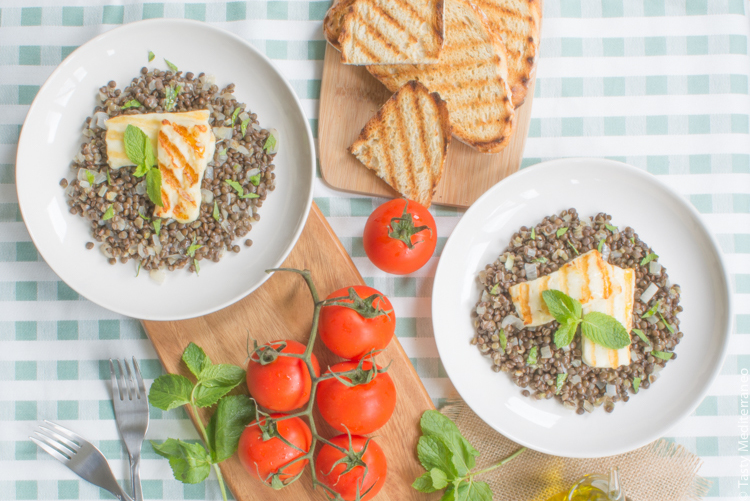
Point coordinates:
[(132, 389), (51, 451), (51, 434), (115, 387), (66, 432), (123, 386), (141, 386), (48, 445)]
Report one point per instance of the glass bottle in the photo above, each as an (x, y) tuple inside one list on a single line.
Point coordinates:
[(594, 487)]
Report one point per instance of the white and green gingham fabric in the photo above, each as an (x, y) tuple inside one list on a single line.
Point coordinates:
[(660, 84)]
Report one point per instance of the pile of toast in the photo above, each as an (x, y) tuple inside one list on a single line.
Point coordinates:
[(457, 68)]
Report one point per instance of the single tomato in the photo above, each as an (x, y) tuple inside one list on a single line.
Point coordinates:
[(353, 332), (362, 408), (331, 472), (400, 236), (264, 458), (280, 383)]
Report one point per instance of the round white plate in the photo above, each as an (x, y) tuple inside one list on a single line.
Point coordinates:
[(664, 220), (51, 136)]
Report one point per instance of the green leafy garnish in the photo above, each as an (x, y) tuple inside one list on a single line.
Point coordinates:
[(611, 228), (561, 232), (255, 179), (648, 259), (662, 355), (632, 240), (243, 126), (138, 270), (144, 217), (573, 247), (108, 214), (90, 178), (604, 330), (560, 381), (157, 226), (533, 233), (151, 56), (636, 384), (171, 66), (170, 99), (666, 324), (495, 290), (133, 103), (642, 335), (539, 260), (223, 151), (197, 266), (109, 179), (652, 311), (503, 339), (531, 359), (449, 458), (234, 115), (216, 214), (140, 151), (270, 143), (601, 245), (191, 462), (240, 190), (191, 250), (153, 186)]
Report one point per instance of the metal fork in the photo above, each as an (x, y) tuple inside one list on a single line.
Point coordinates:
[(80, 455), (131, 413)]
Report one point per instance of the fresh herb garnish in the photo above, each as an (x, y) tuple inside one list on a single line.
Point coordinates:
[(140, 151), (648, 259), (90, 178), (598, 327), (611, 228), (652, 311), (531, 359), (666, 324), (255, 179), (560, 381), (197, 266), (144, 217), (194, 247), (243, 126), (234, 115), (153, 186), (270, 143), (533, 233), (642, 335), (449, 458), (138, 270), (133, 103), (503, 339), (191, 462), (573, 247), (632, 240), (636, 384), (108, 214), (561, 232), (240, 190), (157, 226), (601, 245), (151, 56), (495, 290), (170, 100), (662, 355), (171, 66), (216, 214), (223, 151), (109, 179), (539, 260)]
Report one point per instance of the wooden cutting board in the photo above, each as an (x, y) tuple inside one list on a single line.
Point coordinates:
[(282, 309), (350, 96)]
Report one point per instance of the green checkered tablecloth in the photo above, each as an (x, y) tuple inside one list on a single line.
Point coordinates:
[(660, 84)]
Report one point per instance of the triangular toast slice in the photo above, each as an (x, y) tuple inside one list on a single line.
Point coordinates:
[(392, 32), (471, 76), (334, 20), (406, 142)]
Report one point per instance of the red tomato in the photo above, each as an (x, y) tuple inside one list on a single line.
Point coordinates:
[(284, 384), (400, 238), (346, 485), (350, 335), (264, 458), (361, 409)]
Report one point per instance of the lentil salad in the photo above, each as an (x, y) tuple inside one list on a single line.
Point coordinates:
[(115, 201), (559, 372)]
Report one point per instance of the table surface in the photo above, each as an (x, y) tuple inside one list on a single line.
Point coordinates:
[(659, 84)]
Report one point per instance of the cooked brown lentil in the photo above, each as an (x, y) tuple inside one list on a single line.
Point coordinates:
[(585, 387), (130, 232)]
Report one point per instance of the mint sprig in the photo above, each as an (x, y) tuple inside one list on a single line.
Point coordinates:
[(140, 151), (240, 190), (449, 459), (600, 328), (191, 462)]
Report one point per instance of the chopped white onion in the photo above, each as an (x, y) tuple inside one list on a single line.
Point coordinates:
[(585, 221), (223, 132), (106, 250), (649, 293), (99, 120), (208, 81), (546, 352), (575, 379), (600, 384), (513, 341), (81, 175), (616, 254), (84, 184), (566, 348), (576, 363), (509, 262), (606, 251), (79, 158), (653, 377), (209, 173), (531, 273), (485, 296), (570, 405), (152, 86), (243, 116), (157, 243), (653, 319), (158, 275), (657, 368), (634, 356), (611, 390), (256, 171), (99, 177), (481, 310), (207, 196), (588, 406), (512, 320), (179, 236), (111, 196), (141, 187), (102, 190), (654, 268)]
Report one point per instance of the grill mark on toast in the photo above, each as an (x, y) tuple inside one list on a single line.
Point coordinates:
[(377, 36), (423, 144), (393, 21), (412, 11), (404, 144), (388, 166)]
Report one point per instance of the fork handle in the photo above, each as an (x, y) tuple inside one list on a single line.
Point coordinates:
[(135, 477)]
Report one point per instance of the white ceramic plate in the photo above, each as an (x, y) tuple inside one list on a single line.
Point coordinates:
[(664, 220), (51, 137)]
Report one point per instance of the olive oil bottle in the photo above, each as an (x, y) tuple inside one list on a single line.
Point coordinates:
[(594, 488)]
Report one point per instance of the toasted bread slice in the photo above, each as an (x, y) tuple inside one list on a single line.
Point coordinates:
[(334, 20), (392, 32), (406, 142), (472, 77), (518, 23)]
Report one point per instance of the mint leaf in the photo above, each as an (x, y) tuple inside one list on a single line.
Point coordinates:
[(666, 324), (170, 99), (503, 339), (561, 232), (439, 478), (560, 381), (208, 396), (561, 306), (435, 424), (170, 391), (221, 375), (473, 491), (190, 463), (640, 334), (662, 355), (565, 333), (255, 179), (191, 250), (234, 115), (240, 190), (648, 259), (636, 384), (109, 178), (611, 228), (153, 186), (151, 56), (216, 214), (149, 158), (434, 453), (533, 233), (495, 290), (539, 260), (270, 143), (90, 177), (531, 359), (196, 266), (171, 66), (573, 247), (133, 103), (140, 171), (424, 483), (449, 494), (157, 226), (601, 244), (134, 139), (196, 359), (227, 424), (604, 330), (108, 214), (652, 311), (243, 126)]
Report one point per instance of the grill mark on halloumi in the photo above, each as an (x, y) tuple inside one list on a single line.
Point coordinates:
[(177, 157)]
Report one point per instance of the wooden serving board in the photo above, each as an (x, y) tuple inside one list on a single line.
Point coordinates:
[(350, 96), (282, 309)]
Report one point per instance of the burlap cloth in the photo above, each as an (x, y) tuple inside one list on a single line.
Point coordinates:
[(661, 471)]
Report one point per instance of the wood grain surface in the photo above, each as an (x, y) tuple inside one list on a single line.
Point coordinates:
[(282, 309), (350, 96)]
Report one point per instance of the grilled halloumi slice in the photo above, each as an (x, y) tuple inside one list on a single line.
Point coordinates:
[(149, 123), (598, 285), (182, 154)]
